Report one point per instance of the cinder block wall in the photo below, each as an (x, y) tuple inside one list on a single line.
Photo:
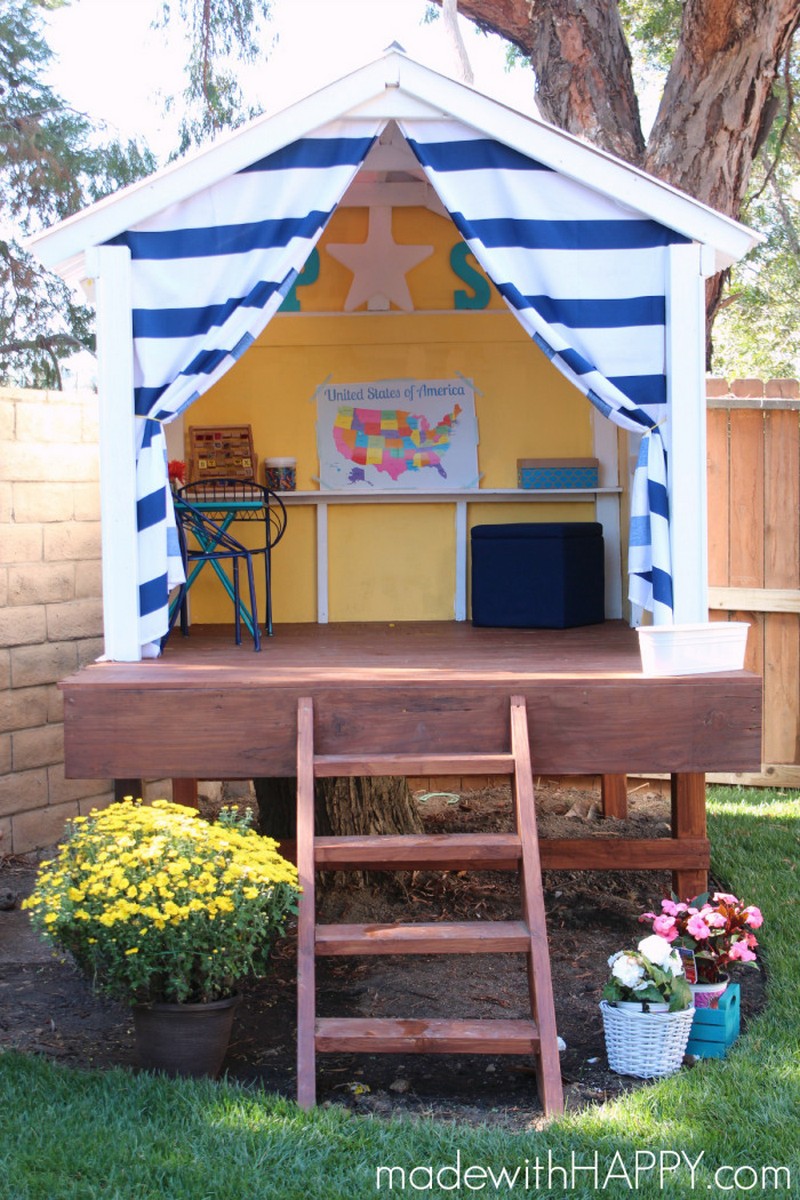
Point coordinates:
[(50, 604)]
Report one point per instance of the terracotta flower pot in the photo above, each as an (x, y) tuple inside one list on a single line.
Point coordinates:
[(184, 1039)]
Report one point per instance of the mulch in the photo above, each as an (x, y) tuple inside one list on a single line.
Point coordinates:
[(47, 1008)]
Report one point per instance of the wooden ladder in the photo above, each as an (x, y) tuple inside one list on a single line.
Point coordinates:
[(506, 851)]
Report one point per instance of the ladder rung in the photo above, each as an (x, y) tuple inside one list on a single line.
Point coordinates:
[(388, 1035), (434, 937), (332, 765), (416, 852)]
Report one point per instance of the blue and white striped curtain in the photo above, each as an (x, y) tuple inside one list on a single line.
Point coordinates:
[(585, 276), (208, 274)]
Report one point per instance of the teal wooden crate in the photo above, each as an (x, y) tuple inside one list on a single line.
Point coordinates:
[(714, 1030)]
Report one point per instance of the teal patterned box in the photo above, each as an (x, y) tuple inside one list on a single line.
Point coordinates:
[(541, 474)]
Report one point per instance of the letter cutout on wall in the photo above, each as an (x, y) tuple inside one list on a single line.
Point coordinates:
[(481, 288), (308, 275)]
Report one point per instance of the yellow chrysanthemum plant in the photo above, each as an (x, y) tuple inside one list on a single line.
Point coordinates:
[(156, 904)]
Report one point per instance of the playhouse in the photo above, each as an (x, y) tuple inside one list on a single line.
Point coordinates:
[(398, 230), (400, 254)]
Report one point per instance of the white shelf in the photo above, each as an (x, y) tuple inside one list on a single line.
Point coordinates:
[(442, 496)]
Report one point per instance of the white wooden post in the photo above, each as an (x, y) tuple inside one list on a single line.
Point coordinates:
[(322, 563), (110, 269), (460, 598), (686, 432), (604, 437)]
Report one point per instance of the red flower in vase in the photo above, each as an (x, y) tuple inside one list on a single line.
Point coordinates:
[(176, 471)]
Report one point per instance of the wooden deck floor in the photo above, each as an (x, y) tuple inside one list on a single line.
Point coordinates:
[(208, 709)]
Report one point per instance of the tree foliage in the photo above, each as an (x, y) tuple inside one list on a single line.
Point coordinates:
[(222, 34), (51, 164), (53, 161)]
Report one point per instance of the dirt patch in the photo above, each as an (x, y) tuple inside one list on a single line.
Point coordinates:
[(47, 1008)]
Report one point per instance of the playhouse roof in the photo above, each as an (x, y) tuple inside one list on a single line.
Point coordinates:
[(393, 87)]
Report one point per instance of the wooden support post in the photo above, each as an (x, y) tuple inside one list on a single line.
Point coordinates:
[(615, 796), (689, 821), (184, 791), (306, 918)]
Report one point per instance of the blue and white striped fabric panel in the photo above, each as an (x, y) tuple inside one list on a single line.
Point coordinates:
[(208, 274), (586, 277), (648, 548)]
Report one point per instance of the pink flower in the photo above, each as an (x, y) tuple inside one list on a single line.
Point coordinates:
[(697, 927), (739, 951), (712, 927), (665, 926), (754, 917)]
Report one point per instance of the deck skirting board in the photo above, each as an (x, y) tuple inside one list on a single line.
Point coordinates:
[(211, 710)]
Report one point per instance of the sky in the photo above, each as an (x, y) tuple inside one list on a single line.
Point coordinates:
[(115, 68)]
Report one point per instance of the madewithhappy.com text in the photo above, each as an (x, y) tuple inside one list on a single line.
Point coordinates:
[(542, 1174)]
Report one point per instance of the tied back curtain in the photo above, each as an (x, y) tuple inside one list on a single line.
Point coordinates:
[(586, 278), (208, 274)]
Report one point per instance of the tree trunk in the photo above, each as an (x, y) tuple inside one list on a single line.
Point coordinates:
[(277, 808), (374, 805), (717, 102), (584, 79)]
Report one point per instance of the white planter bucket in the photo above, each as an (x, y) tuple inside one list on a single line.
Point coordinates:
[(693, 649), (645, 1045)]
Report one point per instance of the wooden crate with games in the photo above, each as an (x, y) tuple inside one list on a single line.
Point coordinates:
[(221, 452)]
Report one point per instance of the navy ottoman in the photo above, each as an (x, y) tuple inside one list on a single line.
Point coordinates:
[(546, 576)]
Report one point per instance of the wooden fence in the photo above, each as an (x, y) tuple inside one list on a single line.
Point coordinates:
[(754, 550)]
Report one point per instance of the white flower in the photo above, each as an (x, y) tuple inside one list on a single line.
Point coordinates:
[(657, 949), (674, 964), (627, 970)]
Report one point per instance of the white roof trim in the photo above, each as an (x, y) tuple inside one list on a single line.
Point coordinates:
[(390, 87)]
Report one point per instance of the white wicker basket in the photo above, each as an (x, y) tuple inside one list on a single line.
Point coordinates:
[(646, 1045)]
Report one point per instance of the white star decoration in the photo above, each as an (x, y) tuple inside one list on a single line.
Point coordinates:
[(379, 265)]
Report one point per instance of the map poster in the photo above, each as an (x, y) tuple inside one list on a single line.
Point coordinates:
[(402, 434)]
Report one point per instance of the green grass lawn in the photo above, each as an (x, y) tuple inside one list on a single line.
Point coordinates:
[(724, 1128)]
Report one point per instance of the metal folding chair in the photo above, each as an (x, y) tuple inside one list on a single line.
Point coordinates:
[(204, 541), (228, 500)]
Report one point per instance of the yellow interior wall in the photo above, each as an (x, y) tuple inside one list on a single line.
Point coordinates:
[(391, 561)]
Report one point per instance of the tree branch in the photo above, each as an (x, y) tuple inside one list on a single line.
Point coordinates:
[(718, 89), (46, 342), (582, 65)]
